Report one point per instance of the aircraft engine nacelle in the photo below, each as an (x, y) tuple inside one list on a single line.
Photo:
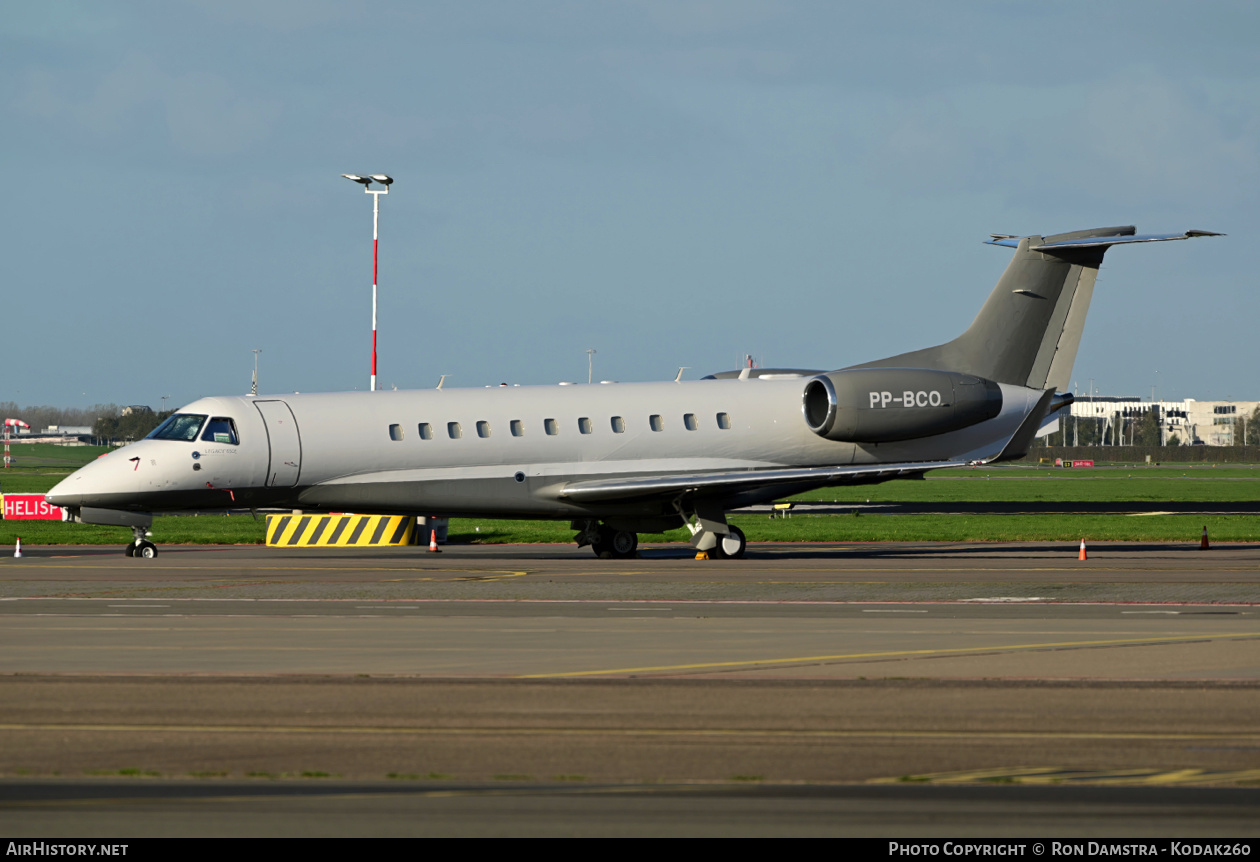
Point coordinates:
[(883, 405)]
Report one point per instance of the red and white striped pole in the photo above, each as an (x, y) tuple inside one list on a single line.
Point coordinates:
[(9, 425), (385, 181), (376, 219)]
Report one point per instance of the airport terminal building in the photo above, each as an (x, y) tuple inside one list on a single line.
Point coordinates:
[(1188, 422)]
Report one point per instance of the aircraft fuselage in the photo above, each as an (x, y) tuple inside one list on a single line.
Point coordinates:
[(501, 451)]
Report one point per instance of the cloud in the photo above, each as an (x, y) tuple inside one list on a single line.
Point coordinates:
[(1138, 136), (201, 113)]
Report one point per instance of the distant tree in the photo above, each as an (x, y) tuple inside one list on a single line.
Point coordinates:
[(1145, 428), (1247, 429), (42, 416), (131, 427)]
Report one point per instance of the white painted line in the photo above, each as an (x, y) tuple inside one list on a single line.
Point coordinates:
[(1008, 599)]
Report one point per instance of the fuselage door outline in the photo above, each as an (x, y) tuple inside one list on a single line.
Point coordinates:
[(283, 442)]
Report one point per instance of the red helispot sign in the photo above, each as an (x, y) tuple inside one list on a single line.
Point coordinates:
[(30, 507)]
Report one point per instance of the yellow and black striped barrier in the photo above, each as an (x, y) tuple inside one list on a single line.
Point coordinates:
[(328, 531)]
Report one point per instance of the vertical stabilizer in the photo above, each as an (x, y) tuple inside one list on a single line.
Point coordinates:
[(1028, 331)]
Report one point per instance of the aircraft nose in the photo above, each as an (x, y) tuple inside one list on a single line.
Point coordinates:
[(105, 478)]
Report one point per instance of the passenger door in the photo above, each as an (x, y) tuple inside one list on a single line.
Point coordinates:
[(286, 445)]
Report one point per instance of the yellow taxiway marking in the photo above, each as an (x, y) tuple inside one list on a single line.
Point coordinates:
[(890, 654)]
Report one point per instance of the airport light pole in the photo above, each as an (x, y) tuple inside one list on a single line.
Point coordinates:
[(384, 181), (253, 389)]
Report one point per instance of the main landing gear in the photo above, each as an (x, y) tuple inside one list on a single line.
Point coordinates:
[(731, 546), (710, 534), (140, 546), (607, 543)]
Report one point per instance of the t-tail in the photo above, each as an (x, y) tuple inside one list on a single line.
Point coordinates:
[(1028, 331)]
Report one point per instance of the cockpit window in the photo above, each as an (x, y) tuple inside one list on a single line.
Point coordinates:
[(181, 426), (220, 429)]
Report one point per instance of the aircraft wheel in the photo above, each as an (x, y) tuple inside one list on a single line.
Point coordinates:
[(732, 545), (130, 550), (615, 544), (602, 546), (148, 550), (624, 543)]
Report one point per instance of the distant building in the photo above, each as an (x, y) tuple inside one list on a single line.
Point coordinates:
[(67, 431), (1210, 423), (136, 408)]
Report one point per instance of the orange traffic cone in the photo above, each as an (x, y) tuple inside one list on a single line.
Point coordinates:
[(433, 542), (1082, 556), (1203, 545), (17, 551)]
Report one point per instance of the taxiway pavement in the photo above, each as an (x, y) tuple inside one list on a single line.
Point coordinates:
[(497, 670)]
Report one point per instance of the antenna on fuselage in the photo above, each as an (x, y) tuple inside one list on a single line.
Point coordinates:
[(681, 369), (443, 380)]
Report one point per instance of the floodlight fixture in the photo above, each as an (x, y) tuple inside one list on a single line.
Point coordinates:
[(383, 179), (358, 179)]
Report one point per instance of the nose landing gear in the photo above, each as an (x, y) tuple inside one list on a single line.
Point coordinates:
[(141, 546)]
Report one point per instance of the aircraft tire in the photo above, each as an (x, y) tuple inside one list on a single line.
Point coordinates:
[(732, 546), (624, 544), (602, 546), (148, 550), (130, 550), (615, 544)]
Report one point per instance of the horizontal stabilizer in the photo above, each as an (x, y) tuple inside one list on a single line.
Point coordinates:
[(1009, 241)]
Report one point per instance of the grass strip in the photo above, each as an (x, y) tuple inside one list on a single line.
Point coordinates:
[(243, 530)]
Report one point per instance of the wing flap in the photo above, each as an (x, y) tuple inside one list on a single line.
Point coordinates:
[(656, 486)]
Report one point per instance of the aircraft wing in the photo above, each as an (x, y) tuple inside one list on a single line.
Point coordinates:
[(741, 480)]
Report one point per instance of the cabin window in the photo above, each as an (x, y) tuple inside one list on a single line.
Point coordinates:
[(689, 421), (654, 421), (584, 425), (724, 421), (180, 426), (426, 431), (618, 425), (550, 426), (518, 428), (454, 431), (395, 432), (220, 429), (483, 428)]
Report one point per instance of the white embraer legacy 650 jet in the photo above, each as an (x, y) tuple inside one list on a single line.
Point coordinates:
[(620, 459)]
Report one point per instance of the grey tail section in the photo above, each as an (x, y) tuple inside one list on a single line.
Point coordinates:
[(1029, 329)]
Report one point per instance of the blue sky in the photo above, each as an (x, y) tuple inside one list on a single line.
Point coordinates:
[(670, 183)]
